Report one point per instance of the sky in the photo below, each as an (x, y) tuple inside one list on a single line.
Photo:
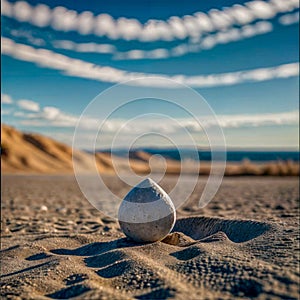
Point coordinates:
[(240, 57)]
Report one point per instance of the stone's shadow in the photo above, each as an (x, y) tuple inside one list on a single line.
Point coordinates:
[(115, 269), (9, 249), (26, 270), (198, 228), (238, 231), (187, 253), (96, 248), (38, 256), (69, 292), (159, 294), (105, 259)]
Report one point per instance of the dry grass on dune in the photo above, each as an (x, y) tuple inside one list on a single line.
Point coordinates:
[(276, 168), (245, 168)]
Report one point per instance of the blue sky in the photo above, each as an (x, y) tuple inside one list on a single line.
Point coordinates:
[(241, 56)]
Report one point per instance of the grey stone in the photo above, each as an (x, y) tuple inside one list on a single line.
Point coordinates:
[(147, 214)]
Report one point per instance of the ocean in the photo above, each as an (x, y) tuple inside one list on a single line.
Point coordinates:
[(205, 155)]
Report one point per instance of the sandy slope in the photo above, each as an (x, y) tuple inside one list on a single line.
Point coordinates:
[(34, 153), (243, 244)]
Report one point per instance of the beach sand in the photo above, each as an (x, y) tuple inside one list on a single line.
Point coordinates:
[(243, 244)]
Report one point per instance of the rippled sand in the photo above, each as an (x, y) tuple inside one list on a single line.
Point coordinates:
[(244, 243)]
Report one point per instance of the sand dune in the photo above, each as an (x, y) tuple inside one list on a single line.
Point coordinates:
[(243, 245), (34, 153)]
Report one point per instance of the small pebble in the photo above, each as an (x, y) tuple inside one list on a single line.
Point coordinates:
[(43, 208)]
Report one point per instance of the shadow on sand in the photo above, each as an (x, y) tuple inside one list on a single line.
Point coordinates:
[(111, 261)]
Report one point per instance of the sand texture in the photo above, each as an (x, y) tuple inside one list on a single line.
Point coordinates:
[(243, 244)]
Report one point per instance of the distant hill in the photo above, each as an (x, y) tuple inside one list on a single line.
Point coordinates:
[(34, 153)]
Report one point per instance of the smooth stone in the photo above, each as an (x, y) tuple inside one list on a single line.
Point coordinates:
[(147, 213)]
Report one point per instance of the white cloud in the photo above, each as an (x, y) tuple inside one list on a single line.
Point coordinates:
[(192, 26), (285, 6), (64, 19), (20, 114), (50, 116), (85, 23), (225, 121), (129, 29), (51, 113), (158, 53), (261, 27), (6, 112), (6, 8), (6, 99), (84, 47), (204, 22), (241, 14), (289, 19), (261, 9), (28, 36), (255, 120), (236, 34), (141, 54), (220, 19), (54, 117), (208, 42), (79, 68), (29, 105), (41, 15), (177, 28), (22, 11)]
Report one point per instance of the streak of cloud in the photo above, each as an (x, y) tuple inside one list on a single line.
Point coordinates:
[(289, 19), (28, 105), (79, 68), (54, 117), (6, 99), (189, 26)]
